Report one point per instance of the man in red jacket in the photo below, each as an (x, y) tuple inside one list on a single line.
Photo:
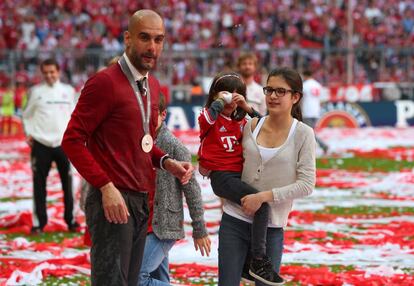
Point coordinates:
[(109, 141)]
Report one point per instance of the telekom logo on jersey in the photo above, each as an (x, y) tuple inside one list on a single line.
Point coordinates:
[(229, 142)]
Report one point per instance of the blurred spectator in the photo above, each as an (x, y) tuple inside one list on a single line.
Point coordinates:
[(94, 49), (311, 104), (247, 67), (7, 102), (111, 44), (6, 110), (20, 98)]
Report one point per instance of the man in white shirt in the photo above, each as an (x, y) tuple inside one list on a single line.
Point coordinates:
[(45, 118), (247, 65), (311, 103)]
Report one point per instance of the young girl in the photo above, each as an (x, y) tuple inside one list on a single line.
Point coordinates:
[(221, 158), (279, 160)]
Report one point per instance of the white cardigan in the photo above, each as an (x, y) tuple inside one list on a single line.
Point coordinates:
[(290, 174)]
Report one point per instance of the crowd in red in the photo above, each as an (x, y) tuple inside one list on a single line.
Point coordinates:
[(276, 29)]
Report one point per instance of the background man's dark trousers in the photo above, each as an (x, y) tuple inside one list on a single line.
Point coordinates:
[(42, 157)]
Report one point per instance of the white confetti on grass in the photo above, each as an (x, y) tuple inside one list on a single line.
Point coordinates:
[(386, 259)]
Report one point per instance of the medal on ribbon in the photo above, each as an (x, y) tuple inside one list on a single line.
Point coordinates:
[(147, 142)]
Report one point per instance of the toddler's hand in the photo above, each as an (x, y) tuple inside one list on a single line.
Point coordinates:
[(227, 96), (241, 102)]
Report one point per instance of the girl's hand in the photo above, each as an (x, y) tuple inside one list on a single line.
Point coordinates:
[(241, 102), (251, 203)]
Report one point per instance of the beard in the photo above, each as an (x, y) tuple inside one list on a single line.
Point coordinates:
[(246, 73), (138, 62)]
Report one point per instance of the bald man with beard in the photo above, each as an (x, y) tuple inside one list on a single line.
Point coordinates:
[(109, 140)]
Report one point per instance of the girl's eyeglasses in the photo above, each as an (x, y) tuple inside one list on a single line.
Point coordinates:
[(279, 91)]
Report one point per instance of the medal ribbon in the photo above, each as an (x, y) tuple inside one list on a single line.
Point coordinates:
[(145, 116)]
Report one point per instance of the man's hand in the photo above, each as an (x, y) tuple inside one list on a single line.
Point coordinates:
[(204, 244), (113, 204), (182, 170), (29, 140)]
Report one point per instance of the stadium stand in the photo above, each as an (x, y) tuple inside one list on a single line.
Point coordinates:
[(206, 36)]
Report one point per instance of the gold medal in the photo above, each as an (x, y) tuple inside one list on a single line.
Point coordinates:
[(146, 143)]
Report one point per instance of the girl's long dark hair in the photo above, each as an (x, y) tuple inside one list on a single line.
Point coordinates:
[(293, 79)]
